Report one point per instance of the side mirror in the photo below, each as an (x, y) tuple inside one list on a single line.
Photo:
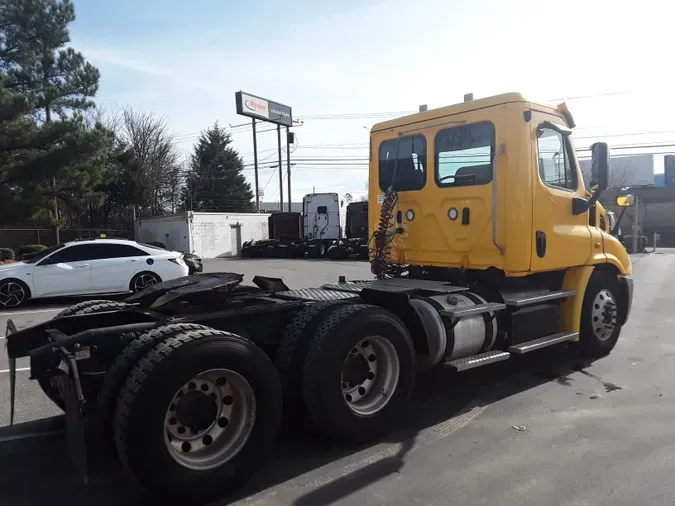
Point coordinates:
[(600, 172), (601, 165), (625, 200)]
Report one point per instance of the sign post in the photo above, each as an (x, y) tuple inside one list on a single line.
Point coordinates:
[(255, 168), (261, 109)]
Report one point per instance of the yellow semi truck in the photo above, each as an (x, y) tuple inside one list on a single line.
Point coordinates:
[(485, 244)]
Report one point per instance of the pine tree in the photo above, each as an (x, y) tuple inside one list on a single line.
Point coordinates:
[(216, 181), (45, 89)]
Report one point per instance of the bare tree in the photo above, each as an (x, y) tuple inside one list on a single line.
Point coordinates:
[(158, 173)]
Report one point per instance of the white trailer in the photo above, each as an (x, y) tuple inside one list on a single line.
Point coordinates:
[(324, 217)]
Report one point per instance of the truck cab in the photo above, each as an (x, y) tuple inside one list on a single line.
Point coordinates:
[(490, 190)]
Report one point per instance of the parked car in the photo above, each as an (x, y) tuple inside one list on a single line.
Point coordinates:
[(194, 262), (88, 267)]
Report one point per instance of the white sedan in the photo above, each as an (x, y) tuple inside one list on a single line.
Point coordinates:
[(88, 267)]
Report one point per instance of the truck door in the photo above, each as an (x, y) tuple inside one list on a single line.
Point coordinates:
[(560, 238)]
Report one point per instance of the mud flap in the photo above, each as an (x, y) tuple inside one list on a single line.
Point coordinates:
[(76, 435)]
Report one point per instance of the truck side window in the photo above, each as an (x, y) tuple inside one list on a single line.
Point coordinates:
[(554, 164), (411, 164), (464, 154)]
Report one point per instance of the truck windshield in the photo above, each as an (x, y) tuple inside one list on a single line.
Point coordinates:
[(464, 154), (410, 164)]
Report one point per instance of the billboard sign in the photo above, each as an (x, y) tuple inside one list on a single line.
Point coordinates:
[(263, 109)]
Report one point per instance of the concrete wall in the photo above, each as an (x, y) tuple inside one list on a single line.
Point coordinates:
[(171, 230), (212, 233)]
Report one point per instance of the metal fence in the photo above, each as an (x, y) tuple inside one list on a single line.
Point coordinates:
[(16, 237)]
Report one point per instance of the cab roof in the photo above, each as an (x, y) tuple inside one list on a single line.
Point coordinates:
[(462, 107)]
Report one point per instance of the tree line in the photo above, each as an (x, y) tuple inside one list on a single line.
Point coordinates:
[(67, 162)]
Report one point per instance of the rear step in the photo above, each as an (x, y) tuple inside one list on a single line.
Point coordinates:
[(542, 342), (537, 299), (460, 312), (462, 364)]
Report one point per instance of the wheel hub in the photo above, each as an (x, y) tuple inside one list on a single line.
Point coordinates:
[(355, 370), (197, 410), (370, 375), (604, 315), (209, 419)]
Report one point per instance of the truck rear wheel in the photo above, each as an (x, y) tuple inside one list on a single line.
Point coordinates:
[(290, 356), (197, 416), (125, 362), (358, 373), (600, 327)]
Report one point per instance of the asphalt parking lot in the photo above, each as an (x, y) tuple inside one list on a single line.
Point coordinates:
[(546, 430)]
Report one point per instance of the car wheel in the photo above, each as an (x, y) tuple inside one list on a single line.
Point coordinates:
[(143, 280), (13, 293)]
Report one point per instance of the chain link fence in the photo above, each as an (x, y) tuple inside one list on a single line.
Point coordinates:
[(14, 238)]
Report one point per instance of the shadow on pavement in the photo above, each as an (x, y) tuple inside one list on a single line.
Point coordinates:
[(37, 471)]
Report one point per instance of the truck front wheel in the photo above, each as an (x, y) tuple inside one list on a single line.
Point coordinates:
[(197, 416), (600, 318), (358, 373)]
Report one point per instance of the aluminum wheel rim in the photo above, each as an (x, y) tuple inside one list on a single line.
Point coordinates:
[(211, 444), (374, 392), (11, 294), (604, 315), (143, 281)]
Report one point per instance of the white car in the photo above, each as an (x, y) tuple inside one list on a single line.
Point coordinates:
[(88, 267)]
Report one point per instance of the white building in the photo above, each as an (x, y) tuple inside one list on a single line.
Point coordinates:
[(630, 170), (209, 235)]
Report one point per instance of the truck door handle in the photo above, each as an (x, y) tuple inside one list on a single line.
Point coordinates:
[(541, 243)]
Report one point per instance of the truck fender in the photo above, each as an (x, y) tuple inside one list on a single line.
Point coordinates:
[(576, 278)]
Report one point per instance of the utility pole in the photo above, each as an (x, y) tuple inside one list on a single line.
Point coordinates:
[(255, 167), (636, 224), (281, 172), (288, 165)]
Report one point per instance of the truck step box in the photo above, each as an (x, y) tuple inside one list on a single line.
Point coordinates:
[(542, 342), (530, 299), (490, 357), (472, 310)]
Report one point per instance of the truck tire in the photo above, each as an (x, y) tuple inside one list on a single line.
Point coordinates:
[(290, 357), (337, 252), (197, 416), (122, 366), (358, 373), (75, 309), (53, 387), (600, 328)]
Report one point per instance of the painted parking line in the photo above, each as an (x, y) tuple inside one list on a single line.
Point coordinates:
[(14, 313), (18, 369)]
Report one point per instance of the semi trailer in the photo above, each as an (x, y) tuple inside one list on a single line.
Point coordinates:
[(355, 242), (486, 246), (308, 234)]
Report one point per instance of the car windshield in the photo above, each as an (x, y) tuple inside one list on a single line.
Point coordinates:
[(44, 253), (152, 246)]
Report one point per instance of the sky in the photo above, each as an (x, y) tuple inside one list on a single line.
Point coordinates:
[(344, 66)]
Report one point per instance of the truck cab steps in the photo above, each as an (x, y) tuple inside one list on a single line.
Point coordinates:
[(490, 357), (460, 312), (542, 342), (529, 299)]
